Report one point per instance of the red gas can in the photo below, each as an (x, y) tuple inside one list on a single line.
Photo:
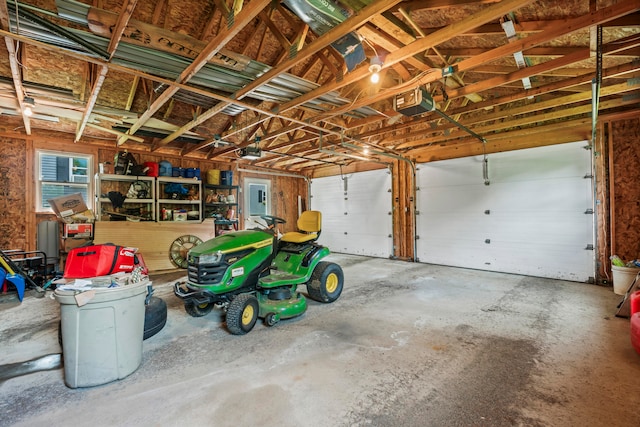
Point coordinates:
[(634, 299), (635, 332)]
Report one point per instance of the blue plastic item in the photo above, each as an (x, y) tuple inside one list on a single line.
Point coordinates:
[(226, 177), (166, 169), (192, 173)]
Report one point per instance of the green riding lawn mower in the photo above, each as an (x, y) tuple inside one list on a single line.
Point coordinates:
[(252, 274)]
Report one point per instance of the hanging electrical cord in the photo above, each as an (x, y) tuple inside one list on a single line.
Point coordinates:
[(595, 85)]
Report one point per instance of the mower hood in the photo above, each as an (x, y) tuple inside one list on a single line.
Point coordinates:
[(234, 242)]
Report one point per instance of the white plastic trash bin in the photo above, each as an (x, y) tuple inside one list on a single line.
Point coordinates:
[(101, 337), (622, 278)]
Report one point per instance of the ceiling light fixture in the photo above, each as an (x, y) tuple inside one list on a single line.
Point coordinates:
[(28, 106), (375, 65)]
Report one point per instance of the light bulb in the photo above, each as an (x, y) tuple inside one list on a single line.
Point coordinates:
[(28, 111), (374, 68)]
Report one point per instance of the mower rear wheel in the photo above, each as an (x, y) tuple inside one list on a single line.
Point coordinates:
[(326, 282), (242, 314), (198, 310)]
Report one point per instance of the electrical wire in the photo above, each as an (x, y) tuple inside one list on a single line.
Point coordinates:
[(370, 45)]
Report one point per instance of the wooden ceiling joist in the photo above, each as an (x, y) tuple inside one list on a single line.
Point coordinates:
[(419, 42)]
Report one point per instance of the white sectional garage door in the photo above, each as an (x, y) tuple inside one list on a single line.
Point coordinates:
[(355, 212), (530, 220)]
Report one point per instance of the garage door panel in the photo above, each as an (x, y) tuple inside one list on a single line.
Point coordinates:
[(368, 191), (335, 240), (448, 175), (368, 244), (550, 163), (443, 224), (468, 252), (366, 224), (328, 194), (357, 222), (539, 195), (539, 227), (513, 257), (546, 260), (531, 219), (471, 198)]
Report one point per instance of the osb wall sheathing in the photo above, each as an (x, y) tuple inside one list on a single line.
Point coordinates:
[(625, 188), (13, 209)]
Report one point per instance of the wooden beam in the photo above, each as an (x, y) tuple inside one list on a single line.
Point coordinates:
[(493, 103), (116, 36), (115, 132), (537, 120), (557, 133), (575, 24), (320, 43), (132, 92), (246, 16), (594, 18), (16, 75), (488, 14)]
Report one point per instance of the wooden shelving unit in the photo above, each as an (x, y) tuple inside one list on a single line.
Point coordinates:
[(221, 202), (182, 205), (142, 207)]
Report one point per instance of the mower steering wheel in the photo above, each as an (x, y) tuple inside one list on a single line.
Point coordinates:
[(272, 221)]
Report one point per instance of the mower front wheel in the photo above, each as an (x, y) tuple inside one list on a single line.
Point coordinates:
[(326, 282), (198, 310), (242, 314), (271, 319)]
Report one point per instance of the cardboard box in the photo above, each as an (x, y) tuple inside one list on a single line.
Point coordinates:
[(78, 230), (71, 243), (71, 208)]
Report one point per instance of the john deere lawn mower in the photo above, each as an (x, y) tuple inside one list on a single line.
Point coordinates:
[(252, 274)]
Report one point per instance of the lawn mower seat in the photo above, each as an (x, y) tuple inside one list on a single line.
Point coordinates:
[(309, 226)]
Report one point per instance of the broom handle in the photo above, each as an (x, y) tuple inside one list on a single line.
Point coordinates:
[(6, 266)]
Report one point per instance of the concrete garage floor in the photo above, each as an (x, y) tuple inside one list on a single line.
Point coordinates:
[(405, 345)]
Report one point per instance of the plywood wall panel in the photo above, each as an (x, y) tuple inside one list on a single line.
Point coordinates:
[(152, 239), (625, 217), (13, 209)]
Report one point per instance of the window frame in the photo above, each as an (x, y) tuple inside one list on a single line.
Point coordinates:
[(39, 153)]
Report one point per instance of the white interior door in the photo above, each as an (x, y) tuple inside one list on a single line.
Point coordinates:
[(533, 219), (356, 212)]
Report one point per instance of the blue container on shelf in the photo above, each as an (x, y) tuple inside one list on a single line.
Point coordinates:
[(192, 173), (165, 168), (177, 172), (226, 178)]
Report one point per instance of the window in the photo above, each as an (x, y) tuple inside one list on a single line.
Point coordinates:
[(61, 175)]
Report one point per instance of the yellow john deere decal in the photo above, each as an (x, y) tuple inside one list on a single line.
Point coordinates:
[(256, 245)]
